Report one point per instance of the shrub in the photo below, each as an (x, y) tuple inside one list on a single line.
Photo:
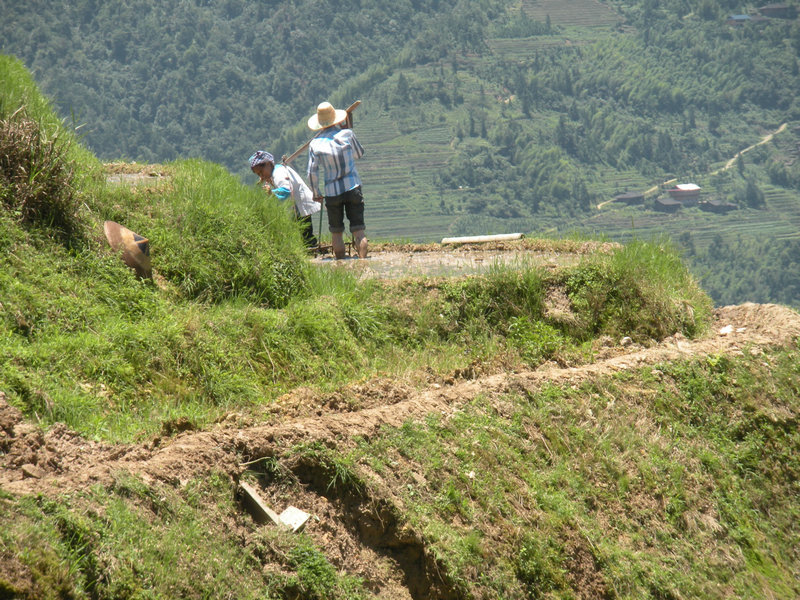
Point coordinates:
[(537, 341), (493, 299), (643, 290)]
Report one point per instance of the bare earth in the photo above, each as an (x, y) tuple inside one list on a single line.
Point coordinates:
[(60, 460), (390, 261)]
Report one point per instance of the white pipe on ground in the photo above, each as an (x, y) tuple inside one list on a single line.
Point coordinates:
[(477, 239)]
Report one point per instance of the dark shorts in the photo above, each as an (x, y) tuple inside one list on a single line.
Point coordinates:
[(350, 203)]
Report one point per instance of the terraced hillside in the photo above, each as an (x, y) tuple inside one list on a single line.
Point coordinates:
[(580, 13), (536, 418)]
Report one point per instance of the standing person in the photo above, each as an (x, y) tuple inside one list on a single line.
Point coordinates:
[(334, 150), (285, 182)]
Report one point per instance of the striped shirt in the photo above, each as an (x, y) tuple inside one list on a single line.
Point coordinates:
[(335, 151)]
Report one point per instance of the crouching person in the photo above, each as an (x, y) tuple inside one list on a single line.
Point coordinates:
[(284, 182)]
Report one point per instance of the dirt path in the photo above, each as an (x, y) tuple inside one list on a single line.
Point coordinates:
[(764, 140), (390, 261), (728, 165), (60, 460)]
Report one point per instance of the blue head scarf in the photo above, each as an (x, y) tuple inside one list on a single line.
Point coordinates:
[(261, 158)]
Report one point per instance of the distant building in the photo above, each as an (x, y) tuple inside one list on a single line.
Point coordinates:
[(737, 20), (630, 197), (667, 205), (686, 193), (778, 11), (717, 206)]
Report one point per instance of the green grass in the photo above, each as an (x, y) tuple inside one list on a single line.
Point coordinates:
[(135, 540), (88, 344), (675, 482)]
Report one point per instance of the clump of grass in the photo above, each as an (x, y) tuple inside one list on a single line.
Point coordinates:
[(538, 566), (537, 341), (36, 178), (42, 166), (336, 472), (317, 578), (503, 293), (642, 290), (213, 238)]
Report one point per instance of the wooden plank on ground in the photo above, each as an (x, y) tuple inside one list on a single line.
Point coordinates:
[(257, 507)]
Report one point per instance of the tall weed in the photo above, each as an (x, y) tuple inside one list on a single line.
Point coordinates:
[(42, 167), (36, 180), (642, 290)]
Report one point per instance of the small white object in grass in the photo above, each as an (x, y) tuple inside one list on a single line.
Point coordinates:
[(294, 518)]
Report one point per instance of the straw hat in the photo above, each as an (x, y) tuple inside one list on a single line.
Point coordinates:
[(326, 116), (135, 248)]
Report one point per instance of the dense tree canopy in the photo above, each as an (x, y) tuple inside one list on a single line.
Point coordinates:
[(157, 80), (532, 118)]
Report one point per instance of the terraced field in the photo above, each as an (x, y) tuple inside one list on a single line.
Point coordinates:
[(520, 49), (583, 13), (611, 182), (779, 219), (398, 172)]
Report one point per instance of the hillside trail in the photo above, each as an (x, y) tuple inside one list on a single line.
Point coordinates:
[(764, 140), (389, 261), (728, 165), (59, 460)]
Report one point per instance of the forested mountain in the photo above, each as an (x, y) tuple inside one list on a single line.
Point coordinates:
[(478, 116), (155, 80)]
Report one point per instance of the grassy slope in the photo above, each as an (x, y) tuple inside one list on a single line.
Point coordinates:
[(676, 482), (672, 481), (608, 489)]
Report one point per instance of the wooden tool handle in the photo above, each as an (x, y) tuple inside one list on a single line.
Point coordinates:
[(287, 159)]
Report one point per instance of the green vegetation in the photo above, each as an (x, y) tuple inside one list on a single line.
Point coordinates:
[(671, 482), (134, 540), (678, 481), (478, 117)]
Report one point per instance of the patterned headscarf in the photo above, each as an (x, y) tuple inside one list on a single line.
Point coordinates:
[(261, 158)]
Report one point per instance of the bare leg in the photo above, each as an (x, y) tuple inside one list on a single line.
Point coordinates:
[(360, 242), (337, 241)]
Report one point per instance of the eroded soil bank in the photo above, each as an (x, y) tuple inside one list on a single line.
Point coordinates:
[(359, 529), (60, 460)]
